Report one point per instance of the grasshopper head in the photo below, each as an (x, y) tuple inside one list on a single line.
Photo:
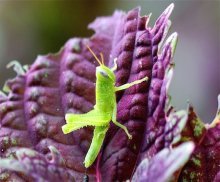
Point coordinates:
[(104, 72)]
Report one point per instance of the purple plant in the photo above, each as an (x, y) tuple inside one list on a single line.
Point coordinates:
[(167, 145)]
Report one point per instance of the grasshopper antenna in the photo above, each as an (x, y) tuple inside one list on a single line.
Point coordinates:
[(102, 58), (97, 59)]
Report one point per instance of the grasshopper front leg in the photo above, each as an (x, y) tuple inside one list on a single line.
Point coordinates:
[(127, 85)]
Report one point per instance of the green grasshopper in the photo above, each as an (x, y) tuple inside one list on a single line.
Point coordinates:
[(104, 111)]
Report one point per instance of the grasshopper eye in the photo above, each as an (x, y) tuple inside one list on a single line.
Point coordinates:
[(103, 73)]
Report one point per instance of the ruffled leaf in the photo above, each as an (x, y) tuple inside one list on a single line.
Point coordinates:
[(39, 167), (163, 165)]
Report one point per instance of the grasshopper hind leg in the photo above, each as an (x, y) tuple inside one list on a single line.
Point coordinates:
[(77, 121)]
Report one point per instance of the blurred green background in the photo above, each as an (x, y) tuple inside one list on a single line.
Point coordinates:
[(29, 28)]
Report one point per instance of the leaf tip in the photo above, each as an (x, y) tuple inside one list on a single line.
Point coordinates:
[(169, 10), (172, 40)]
